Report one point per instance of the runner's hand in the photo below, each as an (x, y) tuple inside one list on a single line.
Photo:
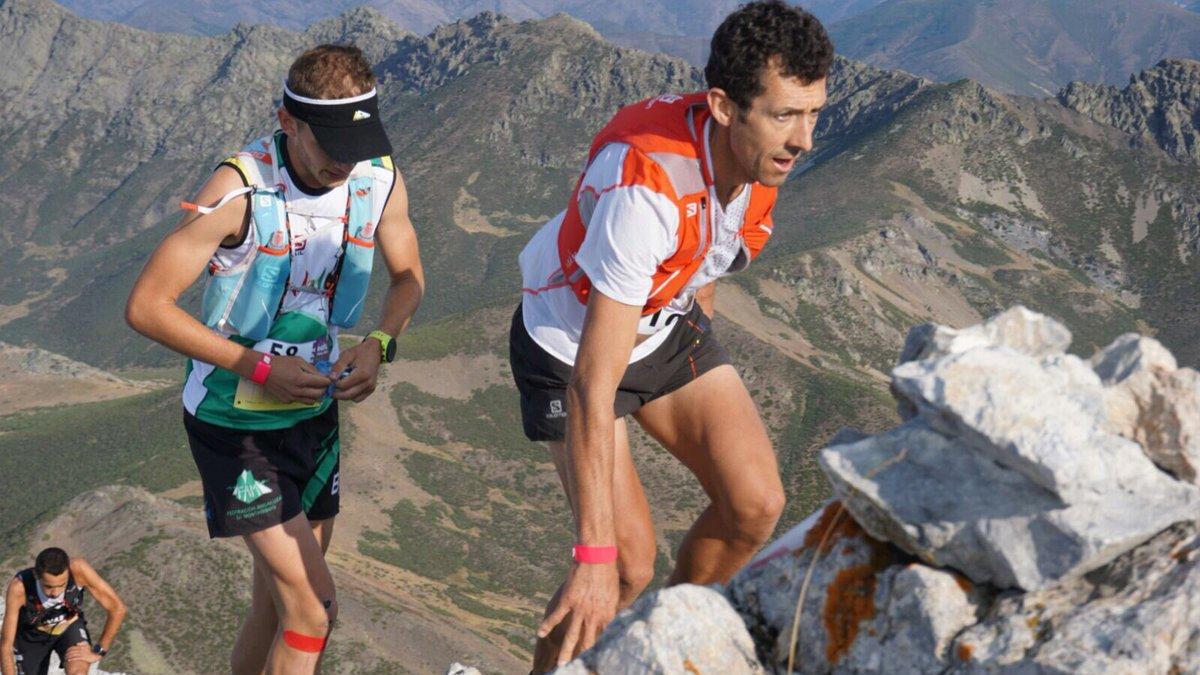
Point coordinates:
[(294, 380), (364, 357), (82, 651), (587, 603)]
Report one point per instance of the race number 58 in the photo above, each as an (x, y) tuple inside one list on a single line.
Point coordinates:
[(278, 349)]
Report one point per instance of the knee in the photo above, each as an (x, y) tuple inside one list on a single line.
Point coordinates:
[(311, 617), (76, 667), (635, 576), (754, 516)]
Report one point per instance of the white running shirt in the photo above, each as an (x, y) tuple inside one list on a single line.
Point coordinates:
[(632, 231)]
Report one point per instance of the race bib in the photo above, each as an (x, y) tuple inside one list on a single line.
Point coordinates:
[(665, 317), (251, 396)]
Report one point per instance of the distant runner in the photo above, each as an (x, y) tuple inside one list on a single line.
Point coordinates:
[(286, 230), (615, 316), (43, 614)]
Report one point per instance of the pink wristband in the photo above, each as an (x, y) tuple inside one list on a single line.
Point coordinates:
[(261, 370), (594, 555)]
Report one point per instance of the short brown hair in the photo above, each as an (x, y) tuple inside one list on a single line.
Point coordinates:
[(331, 71), (759, 34), (52, 560)]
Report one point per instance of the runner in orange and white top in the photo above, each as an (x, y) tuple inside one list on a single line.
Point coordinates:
[(617, 296)]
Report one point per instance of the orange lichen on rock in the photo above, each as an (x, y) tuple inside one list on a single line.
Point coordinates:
[(964, 651), (849, 600), (830, 527), (690, 667), (963, 583), (850, 597)]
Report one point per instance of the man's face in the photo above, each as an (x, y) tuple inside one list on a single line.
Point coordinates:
[(769, 137), (54, 584), (308, 155)]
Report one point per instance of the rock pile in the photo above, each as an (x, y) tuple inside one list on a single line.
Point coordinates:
[(1009, 469), (1035, 512)]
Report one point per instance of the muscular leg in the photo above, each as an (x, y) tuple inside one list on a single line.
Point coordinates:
[(76, 667), (262, 622), (293, 566), (635, 537), (712, 426)]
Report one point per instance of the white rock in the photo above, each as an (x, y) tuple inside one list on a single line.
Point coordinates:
[(1130, 354), (1039, 417), (1136, 616), (1017, 329), (938, 499), (1151, 402), (680, 629)]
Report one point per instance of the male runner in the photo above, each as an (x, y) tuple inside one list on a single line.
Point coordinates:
[(286, 229), (615, 316), (43, 614)]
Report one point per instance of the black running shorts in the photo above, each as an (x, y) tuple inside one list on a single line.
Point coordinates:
[(688, 352), (32, 649), (256, 479)]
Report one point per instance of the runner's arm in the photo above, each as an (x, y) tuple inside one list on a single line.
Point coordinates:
[(397, 240), (14, 598), (609, 331), (90, 579), (153, 309), (588, 599), (706, 297)]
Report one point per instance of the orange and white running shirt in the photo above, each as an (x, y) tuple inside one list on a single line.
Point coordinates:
[(633, 229)]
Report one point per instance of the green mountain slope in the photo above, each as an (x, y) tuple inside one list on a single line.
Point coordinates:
[(921, 202)]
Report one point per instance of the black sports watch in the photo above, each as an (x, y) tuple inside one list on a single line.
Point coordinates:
[(97, 649), (387, 346)]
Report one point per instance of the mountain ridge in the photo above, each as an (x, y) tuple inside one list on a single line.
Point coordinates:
[(1029, 47), (922, 201)]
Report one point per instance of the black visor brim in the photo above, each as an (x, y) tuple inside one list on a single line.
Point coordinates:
[(353, 144)]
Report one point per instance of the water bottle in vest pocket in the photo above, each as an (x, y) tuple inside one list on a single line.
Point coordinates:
[(219, 293), (357, 258), (258, 300)]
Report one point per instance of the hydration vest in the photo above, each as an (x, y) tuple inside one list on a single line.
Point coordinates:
[(666, 139), (245, 298), (33, 616)]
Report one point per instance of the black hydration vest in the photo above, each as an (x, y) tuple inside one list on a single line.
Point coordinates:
[(34, 619)]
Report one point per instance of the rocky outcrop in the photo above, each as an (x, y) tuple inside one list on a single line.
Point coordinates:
[(1008, 470), (1159, 106), (1033, 514), (34, 361), (861, 96)]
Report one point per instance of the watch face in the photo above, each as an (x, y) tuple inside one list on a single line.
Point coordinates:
[(390, 351)]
